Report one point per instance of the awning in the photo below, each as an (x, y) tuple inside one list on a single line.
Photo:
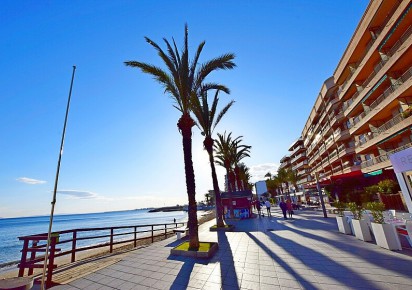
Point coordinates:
[(352, 174)]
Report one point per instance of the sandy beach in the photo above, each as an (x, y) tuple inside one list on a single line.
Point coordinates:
[(94, 259)]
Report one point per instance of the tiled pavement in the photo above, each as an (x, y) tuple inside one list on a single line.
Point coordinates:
[(306, 252)]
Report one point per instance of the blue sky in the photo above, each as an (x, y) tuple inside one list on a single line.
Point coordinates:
[(122, 149)]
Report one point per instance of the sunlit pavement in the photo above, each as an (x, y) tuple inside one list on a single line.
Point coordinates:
[(306, 252)]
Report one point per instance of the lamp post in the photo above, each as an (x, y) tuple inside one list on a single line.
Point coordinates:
[(325, 215)]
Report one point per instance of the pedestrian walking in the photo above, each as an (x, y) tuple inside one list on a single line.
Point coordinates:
[(267, 203), (283, 206), (289, 207), (258, 207)]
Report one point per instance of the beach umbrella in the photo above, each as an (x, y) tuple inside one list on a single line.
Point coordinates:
[(53, 203)]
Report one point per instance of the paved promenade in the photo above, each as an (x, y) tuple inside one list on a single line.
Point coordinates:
[(306, 252)]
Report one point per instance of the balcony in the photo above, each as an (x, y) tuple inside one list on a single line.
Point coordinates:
[(341, 134), (366, 51), (382, 160), (337, 170), (333, 156), (392, 126), (304, 171), (334, 117), (345, 150), (331, 103), (379, 101), (297, 149), (298, 157), (299, 165)]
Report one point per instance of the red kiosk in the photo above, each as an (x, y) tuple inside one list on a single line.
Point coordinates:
[(242, 203)]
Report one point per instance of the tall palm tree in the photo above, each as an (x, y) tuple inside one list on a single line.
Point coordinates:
[(240, 151), (207, 119), (223, 151), (182, 80)]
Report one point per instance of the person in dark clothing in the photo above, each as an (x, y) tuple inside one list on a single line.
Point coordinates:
[(258, 207), (283, 206)]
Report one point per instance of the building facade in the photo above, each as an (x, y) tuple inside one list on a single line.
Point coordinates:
[(363, 113)]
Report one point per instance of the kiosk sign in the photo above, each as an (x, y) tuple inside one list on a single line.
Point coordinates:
[(402, 161)]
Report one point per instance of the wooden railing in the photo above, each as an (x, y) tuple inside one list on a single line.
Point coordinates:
[(89, 238)]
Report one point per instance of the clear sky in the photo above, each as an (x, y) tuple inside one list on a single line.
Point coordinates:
[(123, 149)]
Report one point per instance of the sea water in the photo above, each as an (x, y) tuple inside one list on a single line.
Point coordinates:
[(12, 228)]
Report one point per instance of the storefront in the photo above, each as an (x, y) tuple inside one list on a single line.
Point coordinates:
[(241, 201)]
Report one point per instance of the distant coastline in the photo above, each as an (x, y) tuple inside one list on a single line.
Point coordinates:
[(167, 209)]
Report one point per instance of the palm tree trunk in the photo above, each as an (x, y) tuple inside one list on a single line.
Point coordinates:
[(218, 200), (229, 193), (185, 125)]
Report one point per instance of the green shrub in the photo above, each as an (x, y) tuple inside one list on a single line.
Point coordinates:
[(356, 210), (340, 207), (377, 209), (387, 186)]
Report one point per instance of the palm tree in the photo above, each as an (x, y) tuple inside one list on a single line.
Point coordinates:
[(223, 153), (239, 152), (293, 178), (283, 178), (182, 80), (207, 119), (245, 176), (268, 175)]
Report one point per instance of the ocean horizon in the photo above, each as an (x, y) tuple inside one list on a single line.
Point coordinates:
[(12, 228)]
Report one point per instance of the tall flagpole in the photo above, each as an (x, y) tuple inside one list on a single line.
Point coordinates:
[(55, 184)]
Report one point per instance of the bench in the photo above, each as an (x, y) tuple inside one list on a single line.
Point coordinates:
[(180, 231)]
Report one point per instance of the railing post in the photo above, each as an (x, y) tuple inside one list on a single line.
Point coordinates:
[(23, 257), (111, 240), (165, 231), (135, 236), (51, 262), (74, 246), (152, 236), (32, 255)]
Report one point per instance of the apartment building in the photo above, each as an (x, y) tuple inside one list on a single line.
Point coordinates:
[(363, 113)]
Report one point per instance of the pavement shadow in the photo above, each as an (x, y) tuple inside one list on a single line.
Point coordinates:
[(393, 261), (228, 276), (184, 276), (327, 266), (308, 284)]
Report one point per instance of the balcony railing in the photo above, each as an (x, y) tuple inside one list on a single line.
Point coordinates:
[(383, 157), (377, 31), (406, 75), (333, 154), (389, 124), (400, 41)]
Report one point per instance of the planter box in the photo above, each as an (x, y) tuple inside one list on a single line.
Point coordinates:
[(361, 230), (182, 250), (386, 236), (227, 228), (343, 225)]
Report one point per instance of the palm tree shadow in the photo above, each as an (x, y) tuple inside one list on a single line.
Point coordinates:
[(362, 252), (183, 277), (283, 264), (228, 276), (345, 275)]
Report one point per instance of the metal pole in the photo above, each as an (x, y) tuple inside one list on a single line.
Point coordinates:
[(325, 215), (46, 256)]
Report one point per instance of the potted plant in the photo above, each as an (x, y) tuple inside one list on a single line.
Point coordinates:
[(343, 225), (360, 226), (385, 234)]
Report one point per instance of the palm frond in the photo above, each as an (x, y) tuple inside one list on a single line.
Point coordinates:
[(222, 113)]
